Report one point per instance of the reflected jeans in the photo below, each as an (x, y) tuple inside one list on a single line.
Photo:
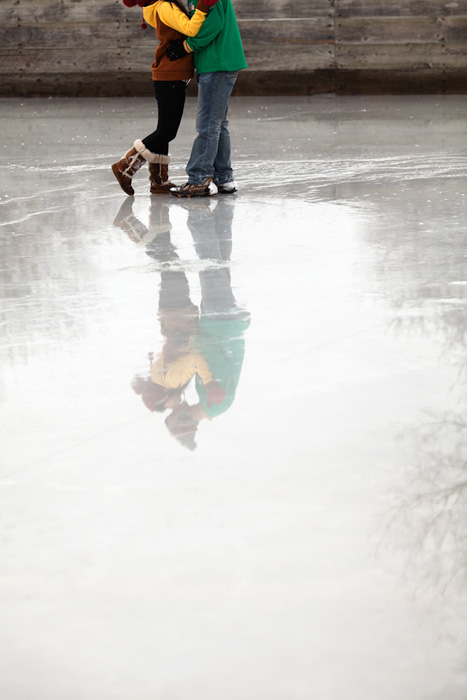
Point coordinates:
[(210, 155)]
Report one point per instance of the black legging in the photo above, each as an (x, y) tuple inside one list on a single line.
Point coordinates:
[(170, 97)]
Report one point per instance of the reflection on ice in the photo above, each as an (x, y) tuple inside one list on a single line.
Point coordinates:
[(307, 336), (428, 521), (202, 346)]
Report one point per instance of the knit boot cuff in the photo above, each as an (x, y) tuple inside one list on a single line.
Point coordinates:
[(149, 155)]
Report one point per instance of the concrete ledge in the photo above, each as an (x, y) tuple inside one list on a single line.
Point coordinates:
[(116, 84), (400, 82), (250, 83)]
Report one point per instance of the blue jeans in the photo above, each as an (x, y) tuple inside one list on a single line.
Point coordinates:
[(210, 155)]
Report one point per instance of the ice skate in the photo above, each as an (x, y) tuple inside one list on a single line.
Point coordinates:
[(228, 187), (205, 189), (206, 204)]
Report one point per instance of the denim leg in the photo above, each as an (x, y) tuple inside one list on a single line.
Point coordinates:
[(222, 166), (214, 90)]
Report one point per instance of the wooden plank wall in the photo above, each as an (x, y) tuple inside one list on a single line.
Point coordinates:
[(87, 47), (395, 46)]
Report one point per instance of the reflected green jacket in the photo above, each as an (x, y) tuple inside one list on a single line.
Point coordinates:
[(218, 46), (223, 347)]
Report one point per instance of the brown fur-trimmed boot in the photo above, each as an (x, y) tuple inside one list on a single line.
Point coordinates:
[(159, 175), (128, 166)]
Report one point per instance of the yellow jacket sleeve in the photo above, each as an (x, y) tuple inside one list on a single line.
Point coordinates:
[(173, 17), (179, 372)]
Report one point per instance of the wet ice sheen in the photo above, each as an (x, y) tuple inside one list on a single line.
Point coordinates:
[(307, 538)]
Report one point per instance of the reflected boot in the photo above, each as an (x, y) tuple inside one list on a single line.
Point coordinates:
[(159, 175), (160, 247), (129, 223)]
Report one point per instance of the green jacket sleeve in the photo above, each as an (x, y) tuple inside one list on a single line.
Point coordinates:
[(211, 28)]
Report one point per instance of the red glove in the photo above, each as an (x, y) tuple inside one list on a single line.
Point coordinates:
[(216, 395), (141, 3), (206, 3)]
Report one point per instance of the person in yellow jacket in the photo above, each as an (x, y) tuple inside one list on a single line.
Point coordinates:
[(171, 21)]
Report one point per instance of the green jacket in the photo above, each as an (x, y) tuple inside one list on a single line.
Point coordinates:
[(218, 46)]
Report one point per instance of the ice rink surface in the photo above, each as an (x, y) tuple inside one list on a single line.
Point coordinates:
[(291, 523)]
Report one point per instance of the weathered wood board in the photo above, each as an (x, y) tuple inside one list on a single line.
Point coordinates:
[(286, 10), (415, 56), (377, 30), (399, 8)]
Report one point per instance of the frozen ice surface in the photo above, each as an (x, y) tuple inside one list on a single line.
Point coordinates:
[(307, 538)]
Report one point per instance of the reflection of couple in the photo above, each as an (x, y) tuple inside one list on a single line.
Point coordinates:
[(205, 345)]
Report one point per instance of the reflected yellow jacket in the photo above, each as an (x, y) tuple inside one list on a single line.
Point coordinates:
[(178, 373)]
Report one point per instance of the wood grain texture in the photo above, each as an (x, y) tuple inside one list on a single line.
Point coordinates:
[(306, 32), (398, 8), (311, 58), (66, 11), (400, 57), (272, 10), (62, 60), (99, 37), (378, 30), (454, 29), (292, 46)]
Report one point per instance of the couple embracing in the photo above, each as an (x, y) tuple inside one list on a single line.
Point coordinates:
[(206, 38)]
